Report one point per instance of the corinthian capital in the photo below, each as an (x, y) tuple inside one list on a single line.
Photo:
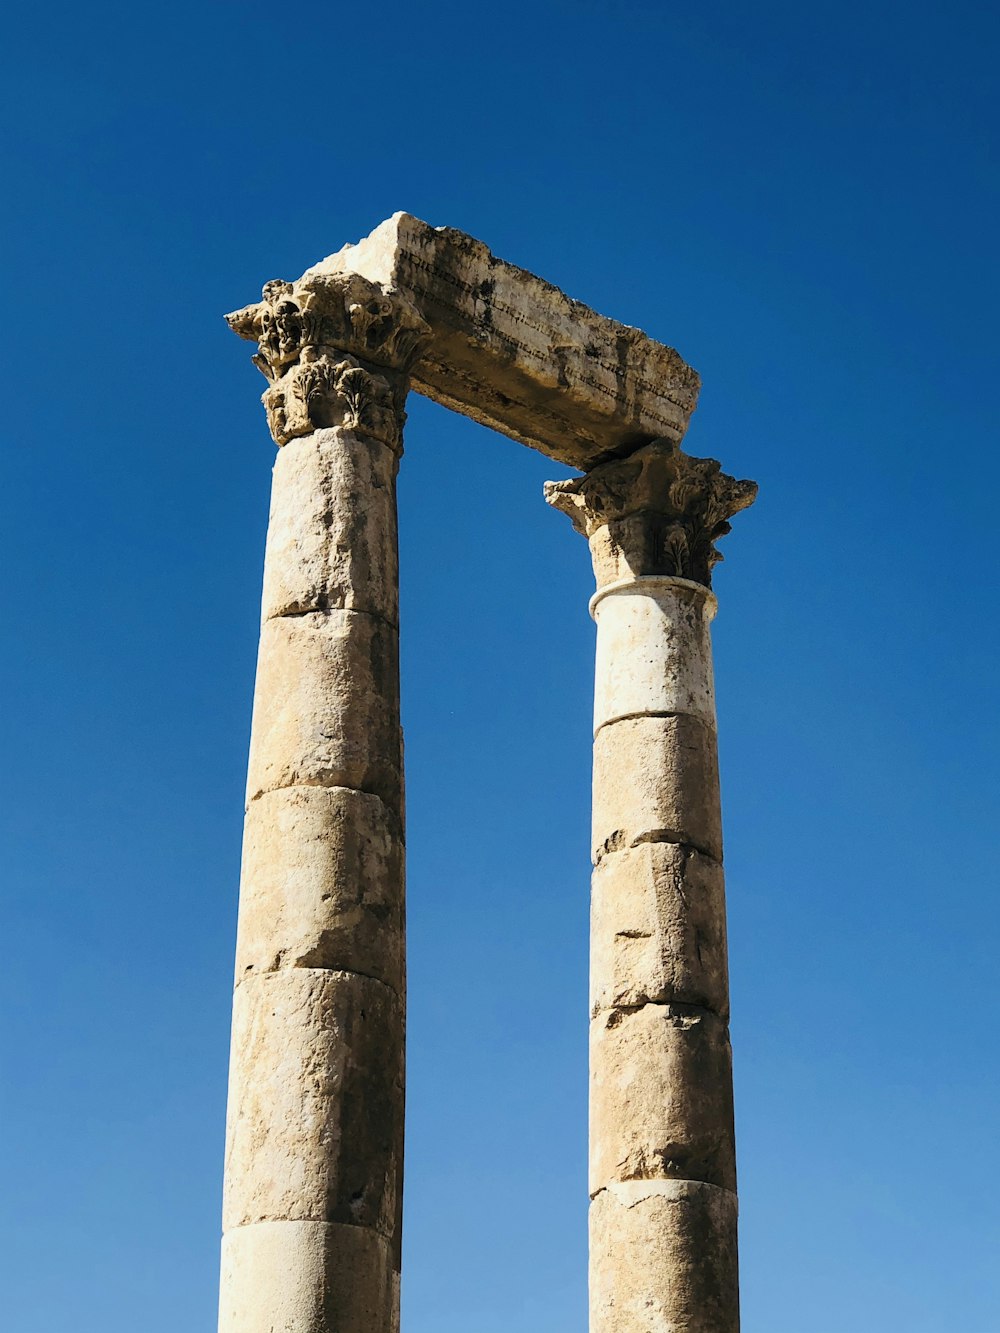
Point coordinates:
[(659, 511), (336, 350)]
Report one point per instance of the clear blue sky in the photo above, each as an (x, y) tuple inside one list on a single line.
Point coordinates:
[(803, 199)]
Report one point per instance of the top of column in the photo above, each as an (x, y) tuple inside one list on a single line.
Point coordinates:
[(658, 512), (325, 344)]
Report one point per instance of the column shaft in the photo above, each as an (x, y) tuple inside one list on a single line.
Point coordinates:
[(662, 1157), (313, 1184)]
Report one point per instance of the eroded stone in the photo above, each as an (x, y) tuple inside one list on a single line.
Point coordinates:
[(326, 706), (322, 885), (661, 1098), (656, 779), (513, 352), (315, 1125), (663, 1259), (335, 349), (654, 651), (331, 539), (658, 511), (308, 1277), (658, 929)]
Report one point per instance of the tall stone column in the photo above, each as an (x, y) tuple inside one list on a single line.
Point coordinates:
[(662, 1151), (314, 1153)]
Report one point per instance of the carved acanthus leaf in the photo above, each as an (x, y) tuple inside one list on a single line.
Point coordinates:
[(659, 511), (322, 393), (330, 312), (320, 320)]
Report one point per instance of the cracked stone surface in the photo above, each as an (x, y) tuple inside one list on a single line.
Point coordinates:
[(308, 1277), (322, 885), (663, 1259), (656, 779), (331, 537), (658, 930), (514, 353), (661, 1098), (315, 1101), (326, 707)]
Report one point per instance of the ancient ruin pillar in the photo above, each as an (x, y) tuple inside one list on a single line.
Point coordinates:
[(314, 1153), (662, 1152)]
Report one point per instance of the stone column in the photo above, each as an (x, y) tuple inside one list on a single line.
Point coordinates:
[(662, 1152), (314, 1152)]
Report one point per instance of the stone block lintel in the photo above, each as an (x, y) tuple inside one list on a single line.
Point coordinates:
[(514, 353)]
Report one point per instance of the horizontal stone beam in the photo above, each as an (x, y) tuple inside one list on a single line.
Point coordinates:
[(514, 353)]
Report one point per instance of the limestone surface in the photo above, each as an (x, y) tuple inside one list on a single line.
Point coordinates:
[(308, 1277), (658, 930), (662, 1148), (661, 1099), (314, 1155), (331, 538), (663, 1259), (315, 1105), (654, 650), (658, 511), (322, 885), (513, 352), (656, 780), (334, 349), (326, 706)]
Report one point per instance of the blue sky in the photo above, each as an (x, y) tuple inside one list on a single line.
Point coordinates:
[(801, 198)]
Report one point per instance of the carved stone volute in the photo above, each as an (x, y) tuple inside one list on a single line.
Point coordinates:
[(659, 511), (337, 350)]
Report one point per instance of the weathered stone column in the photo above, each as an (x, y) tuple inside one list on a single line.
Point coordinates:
[(314, 1153), (662, 1152)]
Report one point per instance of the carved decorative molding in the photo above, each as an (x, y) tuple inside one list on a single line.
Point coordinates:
[(319, 342), (317, 394), (659, 511)]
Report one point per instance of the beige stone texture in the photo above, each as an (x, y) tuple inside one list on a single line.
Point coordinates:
[(656, 779), (326, 706), (308, 1277), (511, 351), (654, 650), (663, 1259), (658, 929), (331, 539), (315, 1124), (319, 341), (322, 885), (661, 1097), (657, 511)]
